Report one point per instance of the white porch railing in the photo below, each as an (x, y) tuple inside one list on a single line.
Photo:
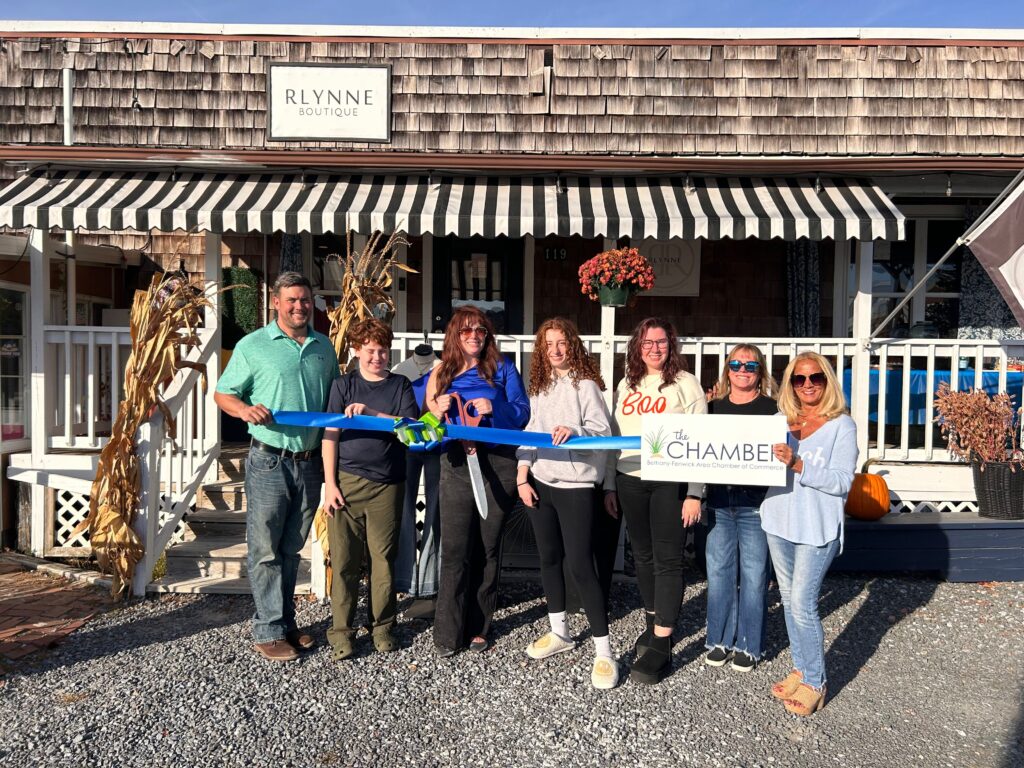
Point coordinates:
[(173, 467), (901, 403), (87, 365)]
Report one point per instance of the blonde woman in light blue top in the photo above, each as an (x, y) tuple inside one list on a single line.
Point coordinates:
[(804, 519)]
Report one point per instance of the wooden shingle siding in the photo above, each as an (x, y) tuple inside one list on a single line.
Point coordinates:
[(606, 98)]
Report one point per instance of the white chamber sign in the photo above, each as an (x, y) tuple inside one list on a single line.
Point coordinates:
[(344, 102), (707, 448)]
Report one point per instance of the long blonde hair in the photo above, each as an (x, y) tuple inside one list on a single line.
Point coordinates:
[(765, 383), (833, 402)]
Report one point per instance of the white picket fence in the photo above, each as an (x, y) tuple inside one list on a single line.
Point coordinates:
[(901, 409)]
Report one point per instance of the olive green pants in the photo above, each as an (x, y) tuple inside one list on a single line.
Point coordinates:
[(369, 523)]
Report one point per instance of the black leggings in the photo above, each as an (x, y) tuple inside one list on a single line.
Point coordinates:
[(653, 513), (562, 524)]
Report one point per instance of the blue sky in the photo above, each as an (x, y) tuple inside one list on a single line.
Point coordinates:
[(543, 13)]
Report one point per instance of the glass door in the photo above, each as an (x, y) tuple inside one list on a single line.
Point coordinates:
[(479, 272)]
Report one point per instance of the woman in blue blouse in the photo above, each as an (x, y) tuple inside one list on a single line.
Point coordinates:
[(804, 519), (491, 387)]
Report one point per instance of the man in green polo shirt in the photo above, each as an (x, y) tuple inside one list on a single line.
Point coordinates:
[(285, 366)]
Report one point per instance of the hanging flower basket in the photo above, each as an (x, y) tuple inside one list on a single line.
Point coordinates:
[(614, 297), (613, 277)]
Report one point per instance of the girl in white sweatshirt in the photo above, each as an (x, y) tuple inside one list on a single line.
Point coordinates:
[(657, 513), (565, 400)]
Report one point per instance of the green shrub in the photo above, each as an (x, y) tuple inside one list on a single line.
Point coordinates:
[(240, 313)]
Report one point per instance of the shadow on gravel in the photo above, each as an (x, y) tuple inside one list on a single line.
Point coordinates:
[(94, 643), (888, 601), (1015, 750)]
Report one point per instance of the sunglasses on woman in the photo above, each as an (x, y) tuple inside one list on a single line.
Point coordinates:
[(473, 330), (798, 380), (751, 366)]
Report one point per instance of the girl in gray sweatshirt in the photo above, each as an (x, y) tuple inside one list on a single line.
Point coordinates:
[(557, 485)]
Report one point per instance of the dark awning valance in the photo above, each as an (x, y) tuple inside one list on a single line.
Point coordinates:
[(663, 208)]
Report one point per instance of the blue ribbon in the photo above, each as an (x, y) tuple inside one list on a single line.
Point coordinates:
[(457, 432)]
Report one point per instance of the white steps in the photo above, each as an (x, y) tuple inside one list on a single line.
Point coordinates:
[(213, 557)]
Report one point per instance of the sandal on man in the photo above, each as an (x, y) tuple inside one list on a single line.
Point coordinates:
[(805, 700)]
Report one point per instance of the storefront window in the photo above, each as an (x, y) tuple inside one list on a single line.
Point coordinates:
[(897, 265), (13, 364), (477, 282)]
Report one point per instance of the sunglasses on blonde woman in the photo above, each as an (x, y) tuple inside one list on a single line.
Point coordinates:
[(799, 380)]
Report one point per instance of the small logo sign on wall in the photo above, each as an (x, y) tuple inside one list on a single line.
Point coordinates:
[(707, 448), (342, 102)]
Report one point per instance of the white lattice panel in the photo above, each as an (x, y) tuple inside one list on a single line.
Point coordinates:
[(70, 509), (179, 531), (934, 506)]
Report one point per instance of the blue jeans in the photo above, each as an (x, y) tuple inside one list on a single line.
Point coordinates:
[(281, 496), (417, 575), (800, 570), (737, 556)]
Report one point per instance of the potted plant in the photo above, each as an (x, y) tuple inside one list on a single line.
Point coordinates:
[(982, 429), (612, 277)]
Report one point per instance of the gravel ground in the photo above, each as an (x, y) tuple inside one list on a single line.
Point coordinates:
[(922, 673)]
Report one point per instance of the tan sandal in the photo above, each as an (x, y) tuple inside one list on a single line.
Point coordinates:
[(785, 688), (805, 701)]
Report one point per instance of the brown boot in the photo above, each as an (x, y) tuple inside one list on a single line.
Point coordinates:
[(300, 641), (276, 650)]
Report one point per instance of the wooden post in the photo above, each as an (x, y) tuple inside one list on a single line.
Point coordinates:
[(40, 250), (211, 320), (147, 518), (71, 280), (608, 352), (608, 343), (860, 388)]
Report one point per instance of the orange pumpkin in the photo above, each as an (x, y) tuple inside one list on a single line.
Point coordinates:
[(868, 498)]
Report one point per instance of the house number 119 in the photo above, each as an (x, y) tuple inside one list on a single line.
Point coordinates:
[(555, 254)]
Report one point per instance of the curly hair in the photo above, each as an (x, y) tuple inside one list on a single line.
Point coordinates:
[(452, 358), (765, 383), (636, 368), (582, 365), (370, 329)]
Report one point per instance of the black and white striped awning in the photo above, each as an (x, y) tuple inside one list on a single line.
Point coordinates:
[(663, 208)]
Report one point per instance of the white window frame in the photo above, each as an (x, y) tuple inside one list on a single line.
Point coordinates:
[(842, 321)]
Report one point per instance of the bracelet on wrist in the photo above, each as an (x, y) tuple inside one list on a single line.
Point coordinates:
[(792, 462), (525, 482)]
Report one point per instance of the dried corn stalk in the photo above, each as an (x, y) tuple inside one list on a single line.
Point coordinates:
[(368, 276), (164, 320)]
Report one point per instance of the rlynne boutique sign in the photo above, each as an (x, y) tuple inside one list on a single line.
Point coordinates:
[(708, 448), (345, 102)]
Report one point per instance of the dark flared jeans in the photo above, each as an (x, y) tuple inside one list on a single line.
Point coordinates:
[(471, 545)]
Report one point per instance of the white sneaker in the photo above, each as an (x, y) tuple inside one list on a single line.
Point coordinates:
[(548, 645), (605, 674)]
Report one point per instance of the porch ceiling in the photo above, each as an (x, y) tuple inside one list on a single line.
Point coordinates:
[(444, 204)]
